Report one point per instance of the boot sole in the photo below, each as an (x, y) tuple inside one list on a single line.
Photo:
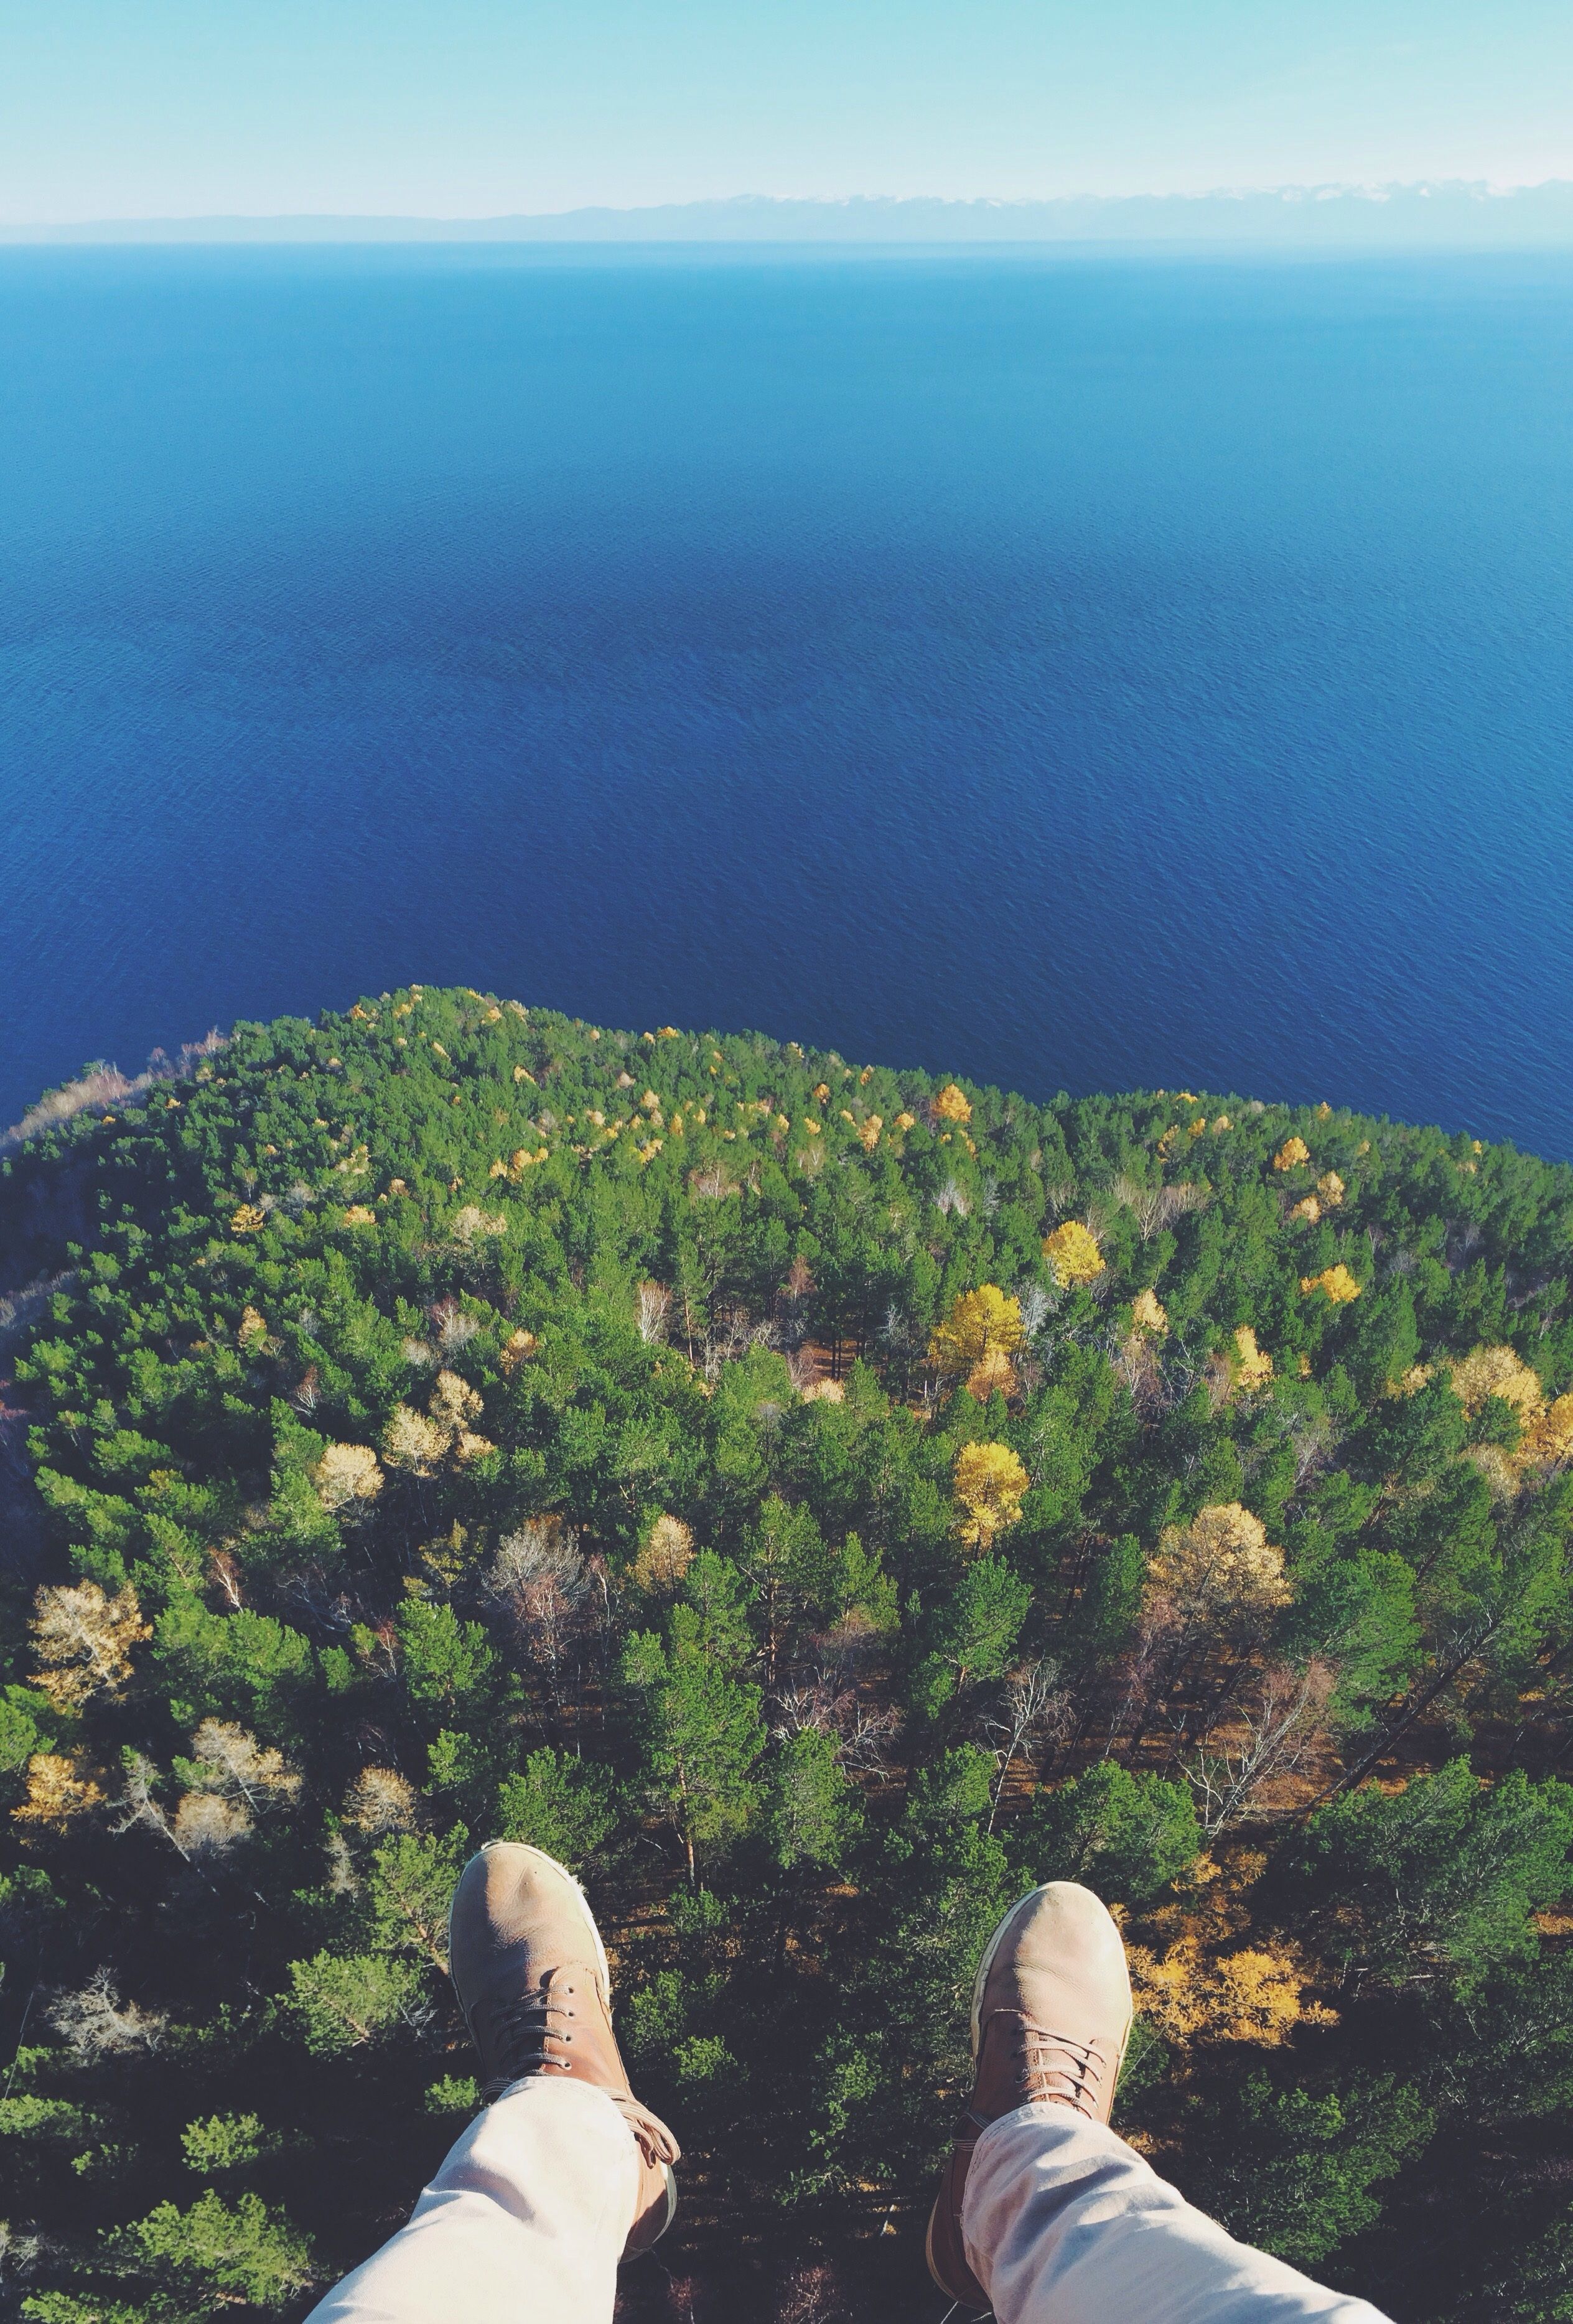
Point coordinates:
[(961, 2298)]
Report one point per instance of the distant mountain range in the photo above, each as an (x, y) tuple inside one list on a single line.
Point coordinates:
[(1447, 214)]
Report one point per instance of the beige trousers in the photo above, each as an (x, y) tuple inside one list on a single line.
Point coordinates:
[(1064, 2224), (524, 2224)]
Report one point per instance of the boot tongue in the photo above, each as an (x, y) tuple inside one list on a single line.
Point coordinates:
[(999, 2085)]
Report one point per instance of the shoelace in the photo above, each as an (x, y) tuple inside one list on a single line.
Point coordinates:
[(656, 2142), (1056, 2057), (523, 2026), (520, 2030), (1085, 2066)]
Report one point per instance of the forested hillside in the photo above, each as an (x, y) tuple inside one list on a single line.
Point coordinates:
[(815, 1501)]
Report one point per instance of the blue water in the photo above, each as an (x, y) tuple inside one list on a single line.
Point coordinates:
[(1080, 673)]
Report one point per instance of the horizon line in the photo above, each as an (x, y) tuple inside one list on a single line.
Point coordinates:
[(1297, 206)]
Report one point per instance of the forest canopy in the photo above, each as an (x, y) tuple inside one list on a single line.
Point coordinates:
[(816, 1502)]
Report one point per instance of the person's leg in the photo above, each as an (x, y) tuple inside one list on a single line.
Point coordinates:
[(565, 2173), (1042, 2214), (1063, 2223), (526, 2221)]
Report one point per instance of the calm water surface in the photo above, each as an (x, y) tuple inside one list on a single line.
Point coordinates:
[(1075, 673)]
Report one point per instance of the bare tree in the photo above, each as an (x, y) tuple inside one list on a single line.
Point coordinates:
[(792, 1304), (97, 2023), (208, 1825), (1154, 1208), (652, 1312), (1140, 1668), (225, 1568), (226, 1761), (540, 1580), (453, 1327), (1137, 1358), (1278, 1727), (828, 1700), (1036, 1306), (1033, 1704), (138, 1803)]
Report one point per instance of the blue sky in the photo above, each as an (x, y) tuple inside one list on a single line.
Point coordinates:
[(129, 108)]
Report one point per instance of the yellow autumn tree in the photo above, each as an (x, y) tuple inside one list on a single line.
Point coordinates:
[(82, 1641), (1072, 1253), (1250, 1367), (1256, 1995), (417, 1441), (1149, 1314), (1550, 1436), (990, 1486), (1336, 1284), (454, 1404), (410, 1440), (57, 1789), (347, 1477), (665, 1556), (1546, 1430), (978, 1337), (1291, 1154), (953, 1104), (992, 1371), (381, 1801), (1497, 1372), (1220, 1569), (1330, 1187)]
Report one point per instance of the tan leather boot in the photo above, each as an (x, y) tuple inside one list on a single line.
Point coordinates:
[(1051, 2017), (529, 1970)]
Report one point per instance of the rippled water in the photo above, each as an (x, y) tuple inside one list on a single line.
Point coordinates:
[(1077, 673)]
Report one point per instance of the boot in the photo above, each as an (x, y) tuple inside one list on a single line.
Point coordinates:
[(530, 1971), (1050, 2018)]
